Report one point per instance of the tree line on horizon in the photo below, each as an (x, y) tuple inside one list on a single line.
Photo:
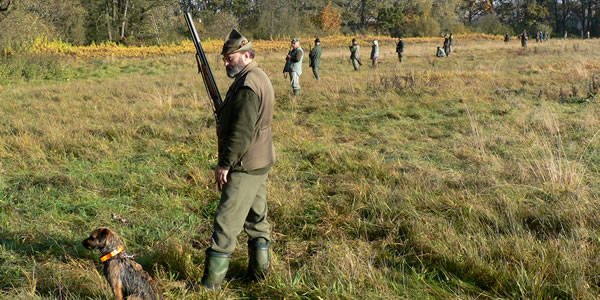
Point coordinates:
[(156, 22)]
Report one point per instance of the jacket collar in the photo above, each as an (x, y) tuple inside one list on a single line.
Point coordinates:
[(245, 70)]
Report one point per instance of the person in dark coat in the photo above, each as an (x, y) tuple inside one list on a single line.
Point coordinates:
[(446, 44), (355, 54), (524, 39), (400, 49), (315, 58)]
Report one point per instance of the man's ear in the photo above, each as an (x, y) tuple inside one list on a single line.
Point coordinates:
[(246, 57)]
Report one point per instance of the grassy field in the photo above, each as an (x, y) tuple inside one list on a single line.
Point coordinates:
[(472, 176)]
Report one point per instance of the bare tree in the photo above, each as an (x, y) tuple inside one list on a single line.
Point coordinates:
[(116, 17)]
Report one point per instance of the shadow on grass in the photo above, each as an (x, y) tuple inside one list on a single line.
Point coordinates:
[(48, 245)]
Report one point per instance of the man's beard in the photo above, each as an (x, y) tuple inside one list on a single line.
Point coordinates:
[(233, 70)]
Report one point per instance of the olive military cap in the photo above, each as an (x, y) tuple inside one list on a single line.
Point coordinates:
[(295, 40), (235, 42), (317, 40)]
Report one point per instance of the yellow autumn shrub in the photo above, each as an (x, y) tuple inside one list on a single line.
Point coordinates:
[(107, 49)]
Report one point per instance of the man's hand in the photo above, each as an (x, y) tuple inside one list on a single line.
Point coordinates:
[(221, 175)]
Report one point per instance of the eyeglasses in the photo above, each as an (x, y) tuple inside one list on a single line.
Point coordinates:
[(228, 58)]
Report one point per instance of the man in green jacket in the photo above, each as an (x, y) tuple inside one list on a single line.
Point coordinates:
[(355, 54), (400, 49), (315, 58), (246, 154)]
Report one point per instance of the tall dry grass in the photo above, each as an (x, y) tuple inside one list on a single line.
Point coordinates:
[(472, 176)]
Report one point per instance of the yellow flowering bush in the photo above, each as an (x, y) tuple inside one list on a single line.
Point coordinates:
[(107, 49)]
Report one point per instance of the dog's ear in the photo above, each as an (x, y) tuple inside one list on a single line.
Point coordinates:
[(103, 236), (109, 239)]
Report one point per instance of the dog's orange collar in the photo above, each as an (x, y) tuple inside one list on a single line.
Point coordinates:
[(111, 254)]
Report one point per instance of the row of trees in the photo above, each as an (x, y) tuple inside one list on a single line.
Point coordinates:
[(558, 16), (160, 21)]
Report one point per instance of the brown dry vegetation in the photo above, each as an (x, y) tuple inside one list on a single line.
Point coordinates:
[(472, 176)]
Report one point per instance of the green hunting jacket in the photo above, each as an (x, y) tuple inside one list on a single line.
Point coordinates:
[(400, 46), (315, 57), (245, 136), (355, 52)]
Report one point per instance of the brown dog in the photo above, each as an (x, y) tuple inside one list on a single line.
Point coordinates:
[(126, 277)]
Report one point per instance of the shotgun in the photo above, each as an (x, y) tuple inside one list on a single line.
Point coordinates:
[(286, 67), (204, 69), (310, 58)]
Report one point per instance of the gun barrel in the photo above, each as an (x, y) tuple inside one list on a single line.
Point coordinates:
[(204, 67)]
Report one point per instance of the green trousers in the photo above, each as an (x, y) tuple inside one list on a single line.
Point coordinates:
[(243, 206), (316, 72), (295, 80), (355, 64)]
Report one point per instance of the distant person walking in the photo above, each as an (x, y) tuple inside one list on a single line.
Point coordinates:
[(506, 38), (374, 53), (355, 54), (315, 58), (588, 35), (400, 49), (446, 44), (294, 65), (524, 39), (450, 44)]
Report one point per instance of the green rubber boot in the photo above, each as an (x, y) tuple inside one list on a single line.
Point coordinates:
[(259, 259), (215, 268)]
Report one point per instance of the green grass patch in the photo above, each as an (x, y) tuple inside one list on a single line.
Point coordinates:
[(472, 176)]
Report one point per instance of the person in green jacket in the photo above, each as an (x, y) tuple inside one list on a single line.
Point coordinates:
[(246, 154), (400, 49), (315, 58), (355, 54)]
